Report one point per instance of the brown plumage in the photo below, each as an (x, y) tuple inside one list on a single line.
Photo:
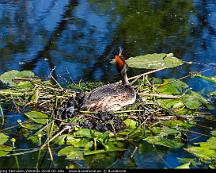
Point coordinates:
[(112, 97)]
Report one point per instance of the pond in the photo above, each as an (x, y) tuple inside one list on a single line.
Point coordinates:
[(75, 39)]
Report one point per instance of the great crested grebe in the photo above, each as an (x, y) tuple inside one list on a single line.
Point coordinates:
[(112, 97)]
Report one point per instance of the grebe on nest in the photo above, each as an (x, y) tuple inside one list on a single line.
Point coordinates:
[(112, 97)]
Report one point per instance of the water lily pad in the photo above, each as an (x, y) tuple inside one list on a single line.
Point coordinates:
[(171, 103), (3, 138), (157, 140), (37, 117), (171, 86), (184, 166), (87, 153), (154, 61), (213, 132), (24, 84), (131, 124), (4, 150), (9, 76), (211, 79), (29, 125), (203, 153), (194, 101), (71, 153)]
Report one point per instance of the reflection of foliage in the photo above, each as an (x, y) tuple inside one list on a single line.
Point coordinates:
[(148, 26)]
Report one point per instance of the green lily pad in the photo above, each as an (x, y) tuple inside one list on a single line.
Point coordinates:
[(203, 153), (131, 124), (24, 84), (157, 140), (4, 150), (154, 61), (171, 103), (213, 132), (9, 76), (192, 161), (171, 86), (211, 79), (3, 138), (184, 166), (37, 117), (210, 143), (29, 125), (212, 93), (87, 153), (194, 101), (71, 153)]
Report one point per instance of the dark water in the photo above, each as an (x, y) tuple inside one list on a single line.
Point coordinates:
[(77, 37)]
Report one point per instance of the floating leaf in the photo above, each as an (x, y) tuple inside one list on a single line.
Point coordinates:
[(157, 140), (210, 143), (29, 125), (131, 124), (212, 93), (3, 138), (154, 61), (4, 150), (184, 166), (24, 84), (171, 86), (87, 153), (179, 123), (211, 79), (202, 153), (37, 117), (213, 133), (71, 153), (192, 161), (165, 131), (194, 100), (9, 76), (171, 103)]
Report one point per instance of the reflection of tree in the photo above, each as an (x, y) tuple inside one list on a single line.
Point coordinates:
[(138, 26), (147, 27), (52, 40)]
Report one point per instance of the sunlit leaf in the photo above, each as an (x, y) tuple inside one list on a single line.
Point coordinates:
[(71, 153), (211, 79), (184, 166), (194, 100), (203, 153), (179, 123), (103, 151), (171, 86), (24, 84), (3, 138), (213, 132), (9, 76), (154, 61), (29, 125), (37, 117), (210, 143), (4, 150), (212, 93), (171, 103), (192, 161), (157, 140), (165, 131), (131, 124)]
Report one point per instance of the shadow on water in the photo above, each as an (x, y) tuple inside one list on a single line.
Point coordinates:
[(77, 37)]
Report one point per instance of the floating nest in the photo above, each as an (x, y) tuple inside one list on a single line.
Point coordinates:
[(64, 104)]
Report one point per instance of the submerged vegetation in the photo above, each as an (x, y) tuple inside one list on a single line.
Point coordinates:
[(165, 111)]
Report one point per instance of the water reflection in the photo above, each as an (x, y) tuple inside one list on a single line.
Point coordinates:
[(77, 36)]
